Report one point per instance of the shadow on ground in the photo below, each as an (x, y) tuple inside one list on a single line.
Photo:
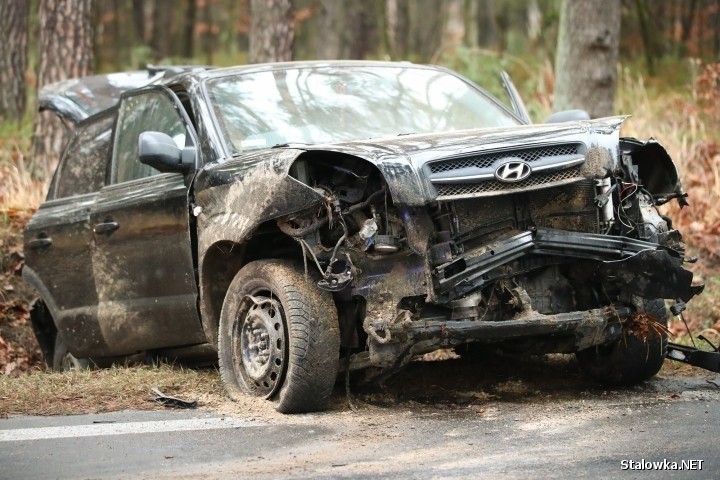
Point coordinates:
[(462, 383)]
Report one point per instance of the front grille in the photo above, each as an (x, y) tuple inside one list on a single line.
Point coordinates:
[(488, 187), (570, 207), (488, 159)]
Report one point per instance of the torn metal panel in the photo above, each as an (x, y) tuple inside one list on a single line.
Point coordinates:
[(709, 360), (79, 98), (234, 197), (652, 274), (655, 168), (406, 161), (589, 328), (231, 200)]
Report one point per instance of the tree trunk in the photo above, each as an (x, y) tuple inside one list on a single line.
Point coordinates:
[(424, 28), (472, 23), (272, 31), (138, 16), (348, 30), (362, 19), (587, 56), (163, 29), (13, 58), (66, 40), (396, 19), (333, 42), (453, 29), (487, 25), (189, 30), (647, 35)]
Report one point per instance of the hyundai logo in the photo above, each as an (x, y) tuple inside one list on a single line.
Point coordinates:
[(513, 171)]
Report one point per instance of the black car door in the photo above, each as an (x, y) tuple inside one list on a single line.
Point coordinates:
[(142, 255), (58, 239)]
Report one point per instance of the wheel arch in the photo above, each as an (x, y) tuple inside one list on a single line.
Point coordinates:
[(232, 234), (42, 314), (224, 259)]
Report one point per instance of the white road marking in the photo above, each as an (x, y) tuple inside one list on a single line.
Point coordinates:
[(98, 429)]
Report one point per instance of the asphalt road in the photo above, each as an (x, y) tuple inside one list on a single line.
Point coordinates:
[(588, 434)]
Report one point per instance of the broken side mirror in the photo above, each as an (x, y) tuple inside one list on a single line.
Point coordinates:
[(568, 116), (160, 151)]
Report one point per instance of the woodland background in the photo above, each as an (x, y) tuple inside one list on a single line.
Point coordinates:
[(658, 60)]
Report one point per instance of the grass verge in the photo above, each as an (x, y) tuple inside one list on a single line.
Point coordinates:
[(107, 390)]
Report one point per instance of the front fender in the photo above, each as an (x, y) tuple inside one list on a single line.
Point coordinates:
[(233, 198)]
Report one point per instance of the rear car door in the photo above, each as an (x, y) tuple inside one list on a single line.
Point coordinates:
[(142, 255), (58, 239)]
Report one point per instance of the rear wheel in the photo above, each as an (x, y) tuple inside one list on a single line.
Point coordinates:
[(635, 357), (279, 337), (64, 361)]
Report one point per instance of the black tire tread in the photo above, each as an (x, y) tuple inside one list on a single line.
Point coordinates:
[(630, 360), (313, 335)]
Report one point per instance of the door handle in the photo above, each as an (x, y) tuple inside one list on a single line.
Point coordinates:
[(107, 227), (40, 242)]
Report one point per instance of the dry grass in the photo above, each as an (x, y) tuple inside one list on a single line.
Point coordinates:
[(23, 186), (112, 389)]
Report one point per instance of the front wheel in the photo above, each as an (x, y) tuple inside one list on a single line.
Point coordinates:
[(279, 337), (635, 357)]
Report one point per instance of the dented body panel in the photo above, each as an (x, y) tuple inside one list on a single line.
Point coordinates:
[(541, 238)]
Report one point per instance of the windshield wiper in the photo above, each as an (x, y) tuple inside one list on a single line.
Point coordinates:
[(289, 144)]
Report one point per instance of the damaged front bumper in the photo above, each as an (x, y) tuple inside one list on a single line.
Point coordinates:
[(646, 269), (640, 268), (402, 340)]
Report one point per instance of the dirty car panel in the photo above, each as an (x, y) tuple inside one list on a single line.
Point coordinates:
[(408, 208)]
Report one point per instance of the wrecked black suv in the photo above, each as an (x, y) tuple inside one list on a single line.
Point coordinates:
[(296, 220)]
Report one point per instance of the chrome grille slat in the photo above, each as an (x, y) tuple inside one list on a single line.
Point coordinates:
[(538, 180), (486, 160)]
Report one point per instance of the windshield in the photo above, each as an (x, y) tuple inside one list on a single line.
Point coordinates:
[(334, 104)]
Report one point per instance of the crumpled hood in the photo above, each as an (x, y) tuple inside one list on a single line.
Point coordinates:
[(404, 160)]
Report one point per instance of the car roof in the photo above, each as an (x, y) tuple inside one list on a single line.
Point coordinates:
[(203, 74), (79, 98)]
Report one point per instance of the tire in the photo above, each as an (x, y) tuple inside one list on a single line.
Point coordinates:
[(279, 337), (64, 361), (631, 359)]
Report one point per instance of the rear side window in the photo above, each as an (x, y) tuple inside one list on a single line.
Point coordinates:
[(83, 165)]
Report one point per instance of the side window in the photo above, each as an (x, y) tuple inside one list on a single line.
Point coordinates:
[(83, 165), (139, 113)]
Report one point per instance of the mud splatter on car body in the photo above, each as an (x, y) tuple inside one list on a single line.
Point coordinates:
[(453, 224)]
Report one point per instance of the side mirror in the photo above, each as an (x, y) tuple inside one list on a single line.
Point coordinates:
[(159, 150), (568, 116)]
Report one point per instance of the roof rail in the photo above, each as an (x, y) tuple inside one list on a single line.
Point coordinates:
[(171, 70)]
